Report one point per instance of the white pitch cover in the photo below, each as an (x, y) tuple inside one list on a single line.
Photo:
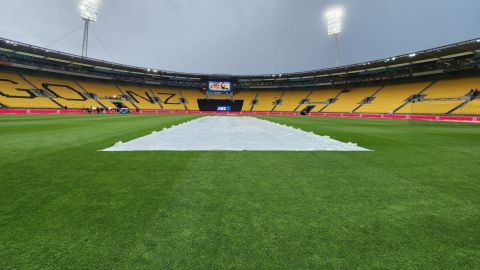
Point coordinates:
[(233, 133)]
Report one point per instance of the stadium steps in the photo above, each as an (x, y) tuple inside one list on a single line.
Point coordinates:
[(184, 99), (50, 95), (27, 81), (458, 107), (300, 105), (123, 93), (419, 93), (88, 95), (153, 95), (373, 95), (471, 96), (58, 104), (336, 97), (256, 99), (276, 101)]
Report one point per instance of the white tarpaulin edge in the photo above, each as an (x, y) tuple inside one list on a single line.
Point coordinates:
[(233, 133)]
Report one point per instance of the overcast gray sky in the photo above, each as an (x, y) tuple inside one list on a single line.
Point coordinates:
[(241, 36)]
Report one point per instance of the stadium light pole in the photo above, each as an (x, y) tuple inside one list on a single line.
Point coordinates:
[(334, 24), (89, 13)]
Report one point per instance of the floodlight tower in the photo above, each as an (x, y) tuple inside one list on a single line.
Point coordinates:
[(89, 12), (334, 23)]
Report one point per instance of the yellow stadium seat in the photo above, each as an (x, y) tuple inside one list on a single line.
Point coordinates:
[(430, 107), (169, 98), (266, 101), (347, 102), (452, 88), (391, 97), (471, 108), (291, 100), (142, 96), (16, 93), (319, 98), (191, 96), (106, 92), (67, 93), (247, 97), (443, 97)]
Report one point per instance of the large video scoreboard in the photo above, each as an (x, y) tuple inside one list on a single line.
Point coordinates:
[(219, 86)]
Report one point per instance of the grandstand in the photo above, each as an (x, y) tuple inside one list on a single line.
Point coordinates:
[(248, 98), (291, 101), (350, 99), (429, 92), (15, 92), (266, 101), (392, 97), (170, 99), (108, 95), (66, 93), (434, 97), (142, 97)]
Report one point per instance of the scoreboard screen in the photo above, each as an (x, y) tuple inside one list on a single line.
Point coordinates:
[(215, 86)]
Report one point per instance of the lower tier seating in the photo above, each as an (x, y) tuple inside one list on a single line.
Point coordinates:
[(349, 101), (471, 108), (391, 97), (266, 100), (292, 100), (448, 96), (141, 96), (320, 98), (170, 99), (191, 97), (247, 97), (67, 93), (444, 96), (15, 92)]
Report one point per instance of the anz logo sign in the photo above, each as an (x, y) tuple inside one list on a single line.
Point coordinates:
[(224, 108)]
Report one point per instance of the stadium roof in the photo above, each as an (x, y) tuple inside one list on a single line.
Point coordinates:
[(460, 49)]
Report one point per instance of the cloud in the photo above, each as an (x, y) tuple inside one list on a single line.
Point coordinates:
[(241, 36)]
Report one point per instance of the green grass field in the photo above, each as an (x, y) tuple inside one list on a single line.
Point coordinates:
[(413, 203)]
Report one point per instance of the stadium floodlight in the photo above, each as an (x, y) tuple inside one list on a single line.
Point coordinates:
[(89, 13), (89, 10), (334, 21), (334, 26)]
